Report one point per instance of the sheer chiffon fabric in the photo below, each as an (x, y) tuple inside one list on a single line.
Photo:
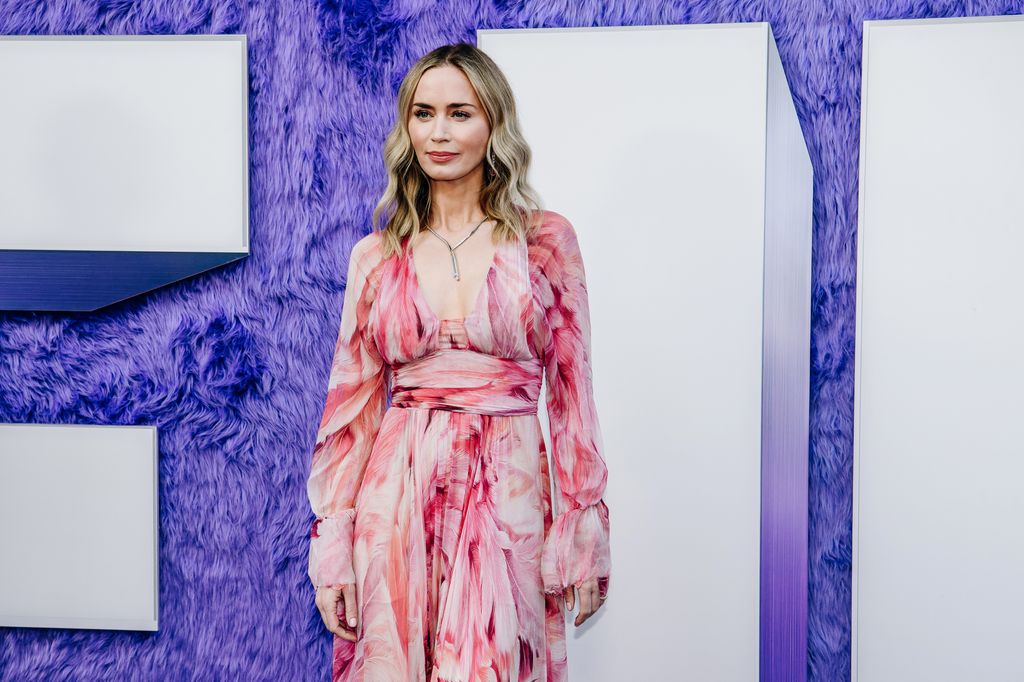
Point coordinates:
[(440, 506)]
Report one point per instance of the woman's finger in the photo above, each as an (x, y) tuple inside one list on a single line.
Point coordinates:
[(570, 599), (349, 594), (585, 611), (331, 610), (342, 630), (327, 603)]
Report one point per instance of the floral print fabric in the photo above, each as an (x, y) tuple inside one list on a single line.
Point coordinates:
[(440, 506)]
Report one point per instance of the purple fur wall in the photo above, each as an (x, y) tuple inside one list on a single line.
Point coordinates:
[(232, 365)]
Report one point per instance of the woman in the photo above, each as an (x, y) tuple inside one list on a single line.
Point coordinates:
[(436, 553)]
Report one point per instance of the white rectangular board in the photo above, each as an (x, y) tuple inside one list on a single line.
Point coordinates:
[(124, 143), (78, 526), (653, 141), (938, 465)]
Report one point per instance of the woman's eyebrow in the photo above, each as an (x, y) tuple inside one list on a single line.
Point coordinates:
[(454, 105)]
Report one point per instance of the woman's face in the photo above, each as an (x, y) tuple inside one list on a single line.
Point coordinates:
[(446, 116)]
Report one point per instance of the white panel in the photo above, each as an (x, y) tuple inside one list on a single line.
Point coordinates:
[(651, 140), (938, 554), (124, 143), (78, 526)]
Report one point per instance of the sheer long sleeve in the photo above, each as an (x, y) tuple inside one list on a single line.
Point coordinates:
[(577, 545), (356, 401)]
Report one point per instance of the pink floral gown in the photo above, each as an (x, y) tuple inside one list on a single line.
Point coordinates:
[(438, 506)]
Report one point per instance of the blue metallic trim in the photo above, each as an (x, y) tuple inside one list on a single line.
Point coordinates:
[(53, 280)]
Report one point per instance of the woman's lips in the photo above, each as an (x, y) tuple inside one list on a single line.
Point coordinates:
[(441, 158)]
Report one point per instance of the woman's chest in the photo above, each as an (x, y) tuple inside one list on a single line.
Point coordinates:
[(503, 322)]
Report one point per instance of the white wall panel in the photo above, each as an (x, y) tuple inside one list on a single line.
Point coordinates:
[(78, 526), (653, 141), (129, 143), (938, 467)]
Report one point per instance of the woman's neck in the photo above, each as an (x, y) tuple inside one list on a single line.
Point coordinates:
[(455, 205)]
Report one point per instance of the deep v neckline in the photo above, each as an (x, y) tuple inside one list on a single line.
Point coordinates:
[(476, 300)]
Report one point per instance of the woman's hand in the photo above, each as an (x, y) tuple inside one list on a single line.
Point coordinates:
[(590, 600), (327, 598)]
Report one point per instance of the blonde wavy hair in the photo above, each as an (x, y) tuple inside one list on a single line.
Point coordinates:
[(505, 195)]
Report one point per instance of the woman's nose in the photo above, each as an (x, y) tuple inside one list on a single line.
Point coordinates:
[(440, 131)]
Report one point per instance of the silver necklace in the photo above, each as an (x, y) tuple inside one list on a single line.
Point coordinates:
[(451, 249)]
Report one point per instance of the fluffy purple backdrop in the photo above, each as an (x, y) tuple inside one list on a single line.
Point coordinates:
[(232, 365)]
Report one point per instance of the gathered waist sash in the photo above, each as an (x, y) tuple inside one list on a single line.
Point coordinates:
[(464, 380)]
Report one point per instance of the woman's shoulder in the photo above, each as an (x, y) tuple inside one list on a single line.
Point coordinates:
[(368, 243), (553, 236), (367, 251), (551, 223)]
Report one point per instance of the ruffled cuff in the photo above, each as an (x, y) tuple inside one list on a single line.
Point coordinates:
[(330, 550), (577, 549)]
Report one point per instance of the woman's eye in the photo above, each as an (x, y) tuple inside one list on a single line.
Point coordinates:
[(417, 113)]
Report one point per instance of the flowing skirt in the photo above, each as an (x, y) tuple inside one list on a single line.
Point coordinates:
[(450, 522)]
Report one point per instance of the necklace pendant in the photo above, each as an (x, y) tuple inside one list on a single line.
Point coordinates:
[(451, 249), (455, 267)]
